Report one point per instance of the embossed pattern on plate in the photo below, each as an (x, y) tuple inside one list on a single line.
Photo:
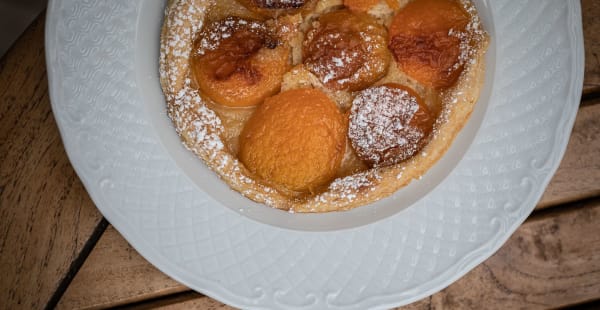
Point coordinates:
[(137, 186)]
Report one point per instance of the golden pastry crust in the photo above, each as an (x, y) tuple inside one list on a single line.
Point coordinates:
[(206, 128)]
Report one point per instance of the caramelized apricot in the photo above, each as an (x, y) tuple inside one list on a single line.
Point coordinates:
[(427, 39), (346, 50), (274, 8), (237, 62), (389, 124), (295, 139)]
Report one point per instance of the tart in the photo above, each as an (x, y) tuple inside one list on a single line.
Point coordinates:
[(320, 105)]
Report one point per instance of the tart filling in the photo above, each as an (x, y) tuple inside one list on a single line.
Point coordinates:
[(389, 124), (346, 50), (237, 62), (313, 106)]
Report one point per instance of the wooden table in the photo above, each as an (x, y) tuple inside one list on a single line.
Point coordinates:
[(56, 250)]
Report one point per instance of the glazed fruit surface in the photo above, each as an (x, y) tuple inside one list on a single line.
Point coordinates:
[(425, 38), (238, 62), (346, 50), (295, 139)]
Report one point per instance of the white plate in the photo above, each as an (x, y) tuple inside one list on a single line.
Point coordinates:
[(102, 71)]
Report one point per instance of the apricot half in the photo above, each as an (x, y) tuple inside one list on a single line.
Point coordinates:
[(425, 39), (295, 139), (346, 50), (238, 62), (389, 124)]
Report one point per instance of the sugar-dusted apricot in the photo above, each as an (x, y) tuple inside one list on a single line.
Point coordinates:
[(346, 50), (237, 62), (295, 139), (389, 124), (427, 38)]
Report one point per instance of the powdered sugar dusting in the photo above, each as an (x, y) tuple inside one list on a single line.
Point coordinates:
[(469, 38), (347, 188), (342, 54), (213, 34), (380, 129), (279, 4), (332, 67)]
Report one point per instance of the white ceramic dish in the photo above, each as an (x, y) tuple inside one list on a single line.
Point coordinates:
[(102, 68)]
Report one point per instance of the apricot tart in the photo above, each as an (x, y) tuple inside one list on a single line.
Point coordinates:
[(320, 105)]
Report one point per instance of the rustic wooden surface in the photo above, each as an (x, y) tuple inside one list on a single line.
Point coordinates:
[(578, 175), (591, 36), (46, 216), (48, 224), (118, 275)]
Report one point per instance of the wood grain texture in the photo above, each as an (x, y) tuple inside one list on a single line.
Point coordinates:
[(591, 36), (115, 274), (188, 300), (578, 176), (46, 215)]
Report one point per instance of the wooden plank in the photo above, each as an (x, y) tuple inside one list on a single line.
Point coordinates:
[(115, 274), (119, 275), (188, 300), (591, 36), (578, 176), (46, 216)]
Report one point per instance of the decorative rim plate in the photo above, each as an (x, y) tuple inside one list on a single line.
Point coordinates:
[(98, 98)]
